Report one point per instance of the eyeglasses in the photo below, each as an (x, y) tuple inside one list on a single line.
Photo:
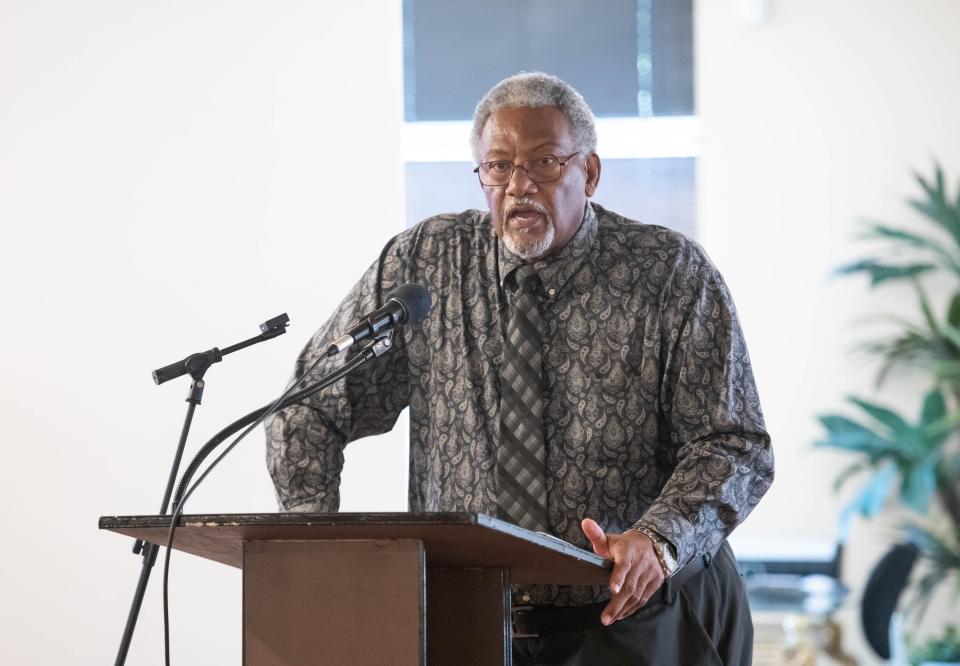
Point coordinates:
[(543, 169)]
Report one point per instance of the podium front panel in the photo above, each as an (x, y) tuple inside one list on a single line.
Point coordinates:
[(334, 602)]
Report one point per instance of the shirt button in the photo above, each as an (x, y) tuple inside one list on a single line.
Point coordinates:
[(552, 291), (525, 597)]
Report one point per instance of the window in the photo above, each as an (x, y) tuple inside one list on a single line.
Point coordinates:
[(631, 59)]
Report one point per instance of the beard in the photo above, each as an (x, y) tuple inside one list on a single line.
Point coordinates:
[(524, 244)]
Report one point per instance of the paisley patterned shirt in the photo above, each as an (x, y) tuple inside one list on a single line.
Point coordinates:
[(651, 413)]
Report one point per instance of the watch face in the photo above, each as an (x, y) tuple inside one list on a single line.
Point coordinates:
[(667, 560)]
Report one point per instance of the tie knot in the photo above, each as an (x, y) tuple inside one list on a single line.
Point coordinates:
[(526, 278)]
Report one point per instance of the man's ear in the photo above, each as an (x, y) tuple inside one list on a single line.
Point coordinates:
[(593, 174)]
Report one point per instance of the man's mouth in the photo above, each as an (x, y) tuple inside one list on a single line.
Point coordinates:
[(524, 217)]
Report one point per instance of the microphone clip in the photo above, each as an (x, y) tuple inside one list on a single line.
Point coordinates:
[(383, 343)]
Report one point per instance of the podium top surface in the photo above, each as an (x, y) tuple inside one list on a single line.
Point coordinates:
[(450, 540)]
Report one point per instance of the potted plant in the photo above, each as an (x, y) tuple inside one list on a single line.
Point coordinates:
[(938, 651), (915, 459)]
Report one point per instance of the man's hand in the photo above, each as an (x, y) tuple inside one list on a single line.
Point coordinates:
[(636, 572)]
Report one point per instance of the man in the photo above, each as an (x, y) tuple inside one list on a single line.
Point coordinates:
[(580, 374)]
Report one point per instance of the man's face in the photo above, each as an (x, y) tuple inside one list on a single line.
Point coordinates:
[(536, 219)]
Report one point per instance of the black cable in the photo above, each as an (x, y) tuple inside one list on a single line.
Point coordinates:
[(255, 418), (178, 506), (235, 427)]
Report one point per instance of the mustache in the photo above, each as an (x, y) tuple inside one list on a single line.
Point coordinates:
[(525, 202)]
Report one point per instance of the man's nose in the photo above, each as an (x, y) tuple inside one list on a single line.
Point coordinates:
[(520, 183)]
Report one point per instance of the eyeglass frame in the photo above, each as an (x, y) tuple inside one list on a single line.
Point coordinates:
[(514, 165)]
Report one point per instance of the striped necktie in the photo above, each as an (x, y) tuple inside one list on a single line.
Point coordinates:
[(521, 456)]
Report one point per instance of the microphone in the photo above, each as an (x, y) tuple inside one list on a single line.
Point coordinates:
[(407, 304)]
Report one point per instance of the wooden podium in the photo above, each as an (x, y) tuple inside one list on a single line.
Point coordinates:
[(374, 588)]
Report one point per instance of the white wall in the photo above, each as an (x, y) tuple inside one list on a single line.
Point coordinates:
[(812, 120), (171, 175)]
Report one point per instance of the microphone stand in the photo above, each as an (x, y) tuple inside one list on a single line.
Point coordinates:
[(196, 365)]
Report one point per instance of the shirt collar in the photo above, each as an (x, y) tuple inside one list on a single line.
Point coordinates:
[(557, 269)]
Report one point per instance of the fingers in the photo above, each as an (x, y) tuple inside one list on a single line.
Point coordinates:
[(642, 594), (636, 575), (624, 585), (630, 610), (597, 537), (636, 572), (624, 576), (628, 601)]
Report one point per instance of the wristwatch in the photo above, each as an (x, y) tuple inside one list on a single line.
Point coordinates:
[(662, 548)]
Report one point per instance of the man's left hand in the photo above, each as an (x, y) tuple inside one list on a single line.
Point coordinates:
[(636, 571)]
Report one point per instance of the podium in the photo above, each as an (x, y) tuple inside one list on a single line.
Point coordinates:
[(374, 588)]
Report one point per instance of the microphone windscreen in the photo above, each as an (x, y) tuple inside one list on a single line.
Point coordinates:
[(415, 300)]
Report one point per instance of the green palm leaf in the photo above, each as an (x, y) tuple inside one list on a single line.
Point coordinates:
[(880, 231), (953, 311), (918, 485), (936, 206), (932, 417), (910, 451), (897, 425), (844, 433), (880, 273)]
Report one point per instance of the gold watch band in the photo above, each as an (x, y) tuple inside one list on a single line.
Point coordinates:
[(661, 548)]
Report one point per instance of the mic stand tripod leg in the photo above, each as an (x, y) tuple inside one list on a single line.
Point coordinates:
[(149, 550)]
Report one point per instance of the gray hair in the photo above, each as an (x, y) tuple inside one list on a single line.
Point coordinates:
[(533, 89)]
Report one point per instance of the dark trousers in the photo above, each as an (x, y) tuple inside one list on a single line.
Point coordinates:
[(706, 623)]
